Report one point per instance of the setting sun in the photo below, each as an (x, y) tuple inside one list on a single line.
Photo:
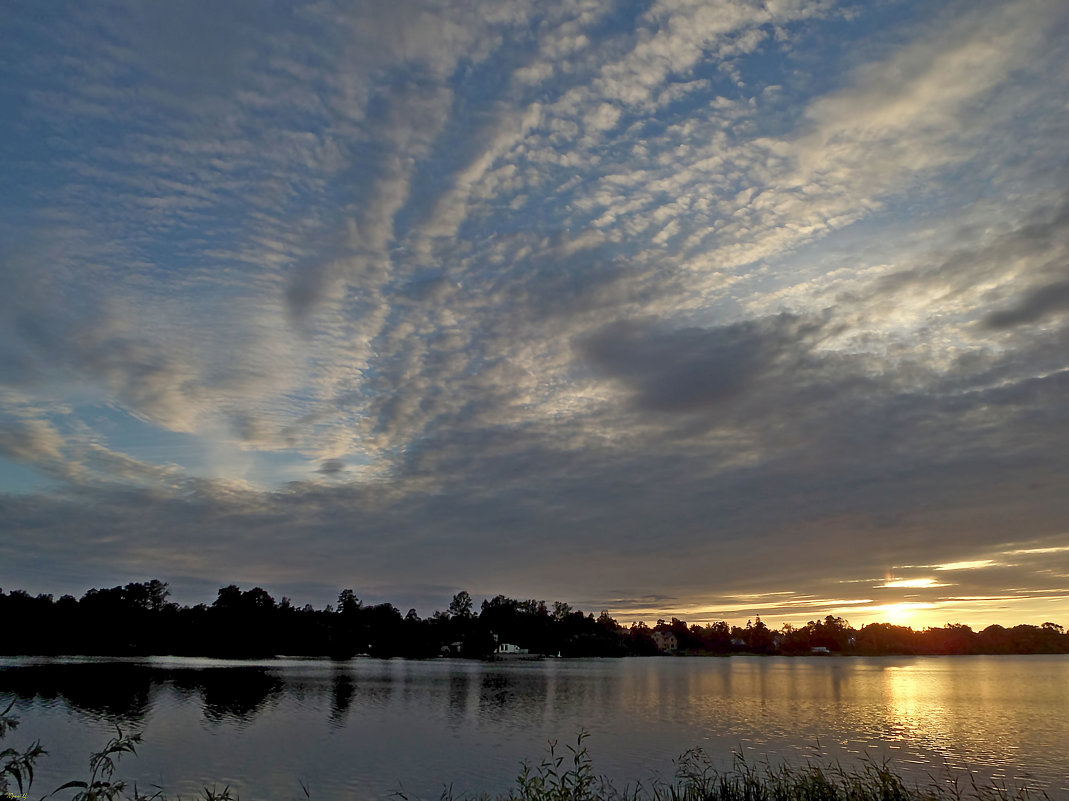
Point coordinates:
[(901, 614)]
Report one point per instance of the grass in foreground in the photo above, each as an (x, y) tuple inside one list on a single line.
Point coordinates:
[(561, 776), (571, 777)]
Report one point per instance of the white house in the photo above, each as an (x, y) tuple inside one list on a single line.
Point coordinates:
[(508, 648), (666, 641)]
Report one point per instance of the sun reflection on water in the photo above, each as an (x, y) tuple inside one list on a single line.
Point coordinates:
[(926, 705), (915, 704)]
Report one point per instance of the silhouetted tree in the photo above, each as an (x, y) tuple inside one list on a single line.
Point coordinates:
[(137, 619), (348, 603), (461, 605), (953, 638)]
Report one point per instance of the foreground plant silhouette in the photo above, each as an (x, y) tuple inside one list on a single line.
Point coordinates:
[(565, 776), (548, 783), (19, 766), (100, 785)]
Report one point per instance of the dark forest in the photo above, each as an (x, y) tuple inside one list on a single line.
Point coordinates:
[(138, 620)]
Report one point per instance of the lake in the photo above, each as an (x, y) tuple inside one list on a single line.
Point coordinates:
[(367, 728)]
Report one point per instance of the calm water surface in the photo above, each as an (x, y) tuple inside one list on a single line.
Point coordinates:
[(367, 728)]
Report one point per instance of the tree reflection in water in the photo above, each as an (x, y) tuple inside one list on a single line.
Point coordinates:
[(118, 692), (342, 690), (123, 692), (238, 693)]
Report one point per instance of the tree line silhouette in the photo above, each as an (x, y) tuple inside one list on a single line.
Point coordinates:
[(137, 619)]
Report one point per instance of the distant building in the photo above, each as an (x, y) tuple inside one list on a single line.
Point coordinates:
[(452, 649), (504, 648), (666, 641)]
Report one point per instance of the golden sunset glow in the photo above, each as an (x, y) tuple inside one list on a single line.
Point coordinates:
[(923, 583), (973, 565), (901, 614)]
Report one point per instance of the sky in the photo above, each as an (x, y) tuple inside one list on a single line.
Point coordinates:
[(711, 309)]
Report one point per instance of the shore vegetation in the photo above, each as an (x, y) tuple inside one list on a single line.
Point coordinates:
[(251, 623)]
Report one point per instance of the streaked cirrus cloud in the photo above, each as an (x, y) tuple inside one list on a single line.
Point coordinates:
[(703, 308)]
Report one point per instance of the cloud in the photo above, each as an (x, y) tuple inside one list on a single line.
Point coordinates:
[(924, 583), (198, 48), (33, 440), (554, 296), (691, 369), (1036, 305), (971, 564), (332, 467)]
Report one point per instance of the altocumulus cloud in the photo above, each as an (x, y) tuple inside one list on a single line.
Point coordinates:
[(713, 308)]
